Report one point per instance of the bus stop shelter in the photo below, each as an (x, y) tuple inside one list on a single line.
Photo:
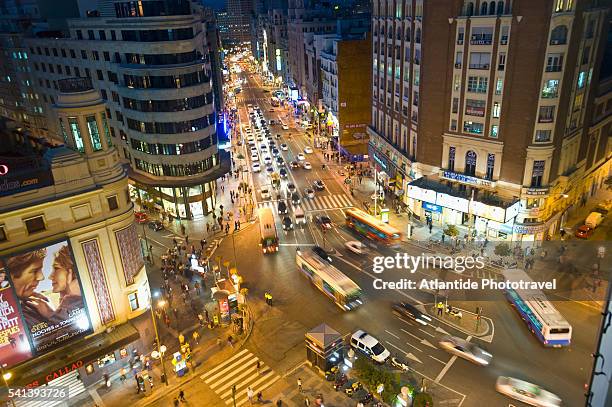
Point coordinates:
[(324, 347)]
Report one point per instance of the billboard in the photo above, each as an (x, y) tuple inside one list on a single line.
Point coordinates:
[(47, 286), (14, 342)]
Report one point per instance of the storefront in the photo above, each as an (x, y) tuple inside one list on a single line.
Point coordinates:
[(397, 168)]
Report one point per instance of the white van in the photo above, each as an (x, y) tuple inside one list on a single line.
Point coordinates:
[(594, 219), (300, 219), (370, 346)]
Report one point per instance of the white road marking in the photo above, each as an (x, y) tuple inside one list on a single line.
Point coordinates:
[(437, 360), (427, 333), (392, 334)]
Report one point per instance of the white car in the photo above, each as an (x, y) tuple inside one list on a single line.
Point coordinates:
[(284, 147), (253, 149), (355, 247), (307, 165), (265, 193), (267, 159), (256, 167), (308, 150), (254, 157), (526, 392), (465, 350), (301, 157), (309, 193), (285, 127), (367, 344)]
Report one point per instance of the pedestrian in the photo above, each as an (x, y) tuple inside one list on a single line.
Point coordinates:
[(196, 337), (206, 315), (203, 241), (222, 189), (279, 403), (174, 241), (150, 383), (181, 396), (443, 236), (250, 394), (230, 341), (430, 227), (176, 402), (182, 229), (307, 402), (197, 287), (259, 397), (207, 228), (258, 366), (186, 240), (440, 307), (299, 384), (218, 342)]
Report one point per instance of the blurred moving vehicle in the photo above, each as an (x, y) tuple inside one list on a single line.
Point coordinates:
[(319, 251), (526, 392), (465, 350), (355, 247), (324, 222), (156, 225), (410, 311)]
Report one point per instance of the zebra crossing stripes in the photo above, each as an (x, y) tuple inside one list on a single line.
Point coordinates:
[(319, 203), (241, 371), (241, 99)]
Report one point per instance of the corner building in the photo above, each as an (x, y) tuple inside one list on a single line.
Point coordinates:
[(482, 110), (66, 217), (150, 62)]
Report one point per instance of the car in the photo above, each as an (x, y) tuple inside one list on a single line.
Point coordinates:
[(275, 152), (291, 188), (526, 392), (308, 150), (285, 127), (319, 251), (279, 160), (256, 167), (295, 199), (254, 157), (271, 110), (307, 165), (287, 223), (324, 222), (156, 225), (410, 311), (355, 247), (278, 136), (365, 343), (284, 147), (265, 193), (269, 169), (283, 173), (282, 207), (466, 350), (301, 157), (267, 159), (259, 138), (584, 232), (263, 147), (295, 165), (319, 185), (309, 193), (253, 149), (141, 217)]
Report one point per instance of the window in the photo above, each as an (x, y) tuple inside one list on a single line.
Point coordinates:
[(460, 35), (113, 35), (477, 84), (90, 35), (550, 89), (36, 224), (94, 134), (112, 202), (458, 59), (72, 54), (481, 35), (76, 134), (480, 60), (494, 131), (472, 127), (451, 159), (456, 82), (63, 130), (133, 299), (502, 61), (537, 174), (106, 55), (470, 163), (496, 110), (3, 237), (581, 79), (474, 107), (102, 35), (100, 75), (542, 136), (499, 83), (417, 36), (503, 38), (83, 54), (107, 133), (453, 125), (554, 62), (63, 51), (546, 114), (490, 166), (95, 55), (455, 105)]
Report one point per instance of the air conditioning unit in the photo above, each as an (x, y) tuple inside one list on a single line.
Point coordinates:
[(555, 42), (458, 66)]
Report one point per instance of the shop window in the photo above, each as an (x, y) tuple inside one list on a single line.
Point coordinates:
[(533, 203), (106, 360), (36, 224), (470, 163), (133, 299)]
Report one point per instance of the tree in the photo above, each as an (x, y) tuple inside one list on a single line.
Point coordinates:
[(503, 250), (451, 230)]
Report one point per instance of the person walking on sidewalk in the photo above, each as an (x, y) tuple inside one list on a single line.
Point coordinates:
[(299, 384), (196, 337), (181, 396), (306, 401), (250, 394), (279, 403), (182, 229)]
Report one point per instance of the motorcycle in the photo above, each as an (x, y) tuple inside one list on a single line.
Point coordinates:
[(353, 388), (331, 374), (367, 398), (340, 381), (399, 364)]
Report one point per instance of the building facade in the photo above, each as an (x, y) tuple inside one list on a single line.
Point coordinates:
[(239, 14), (151, 65), (494, 142), (67, 233)]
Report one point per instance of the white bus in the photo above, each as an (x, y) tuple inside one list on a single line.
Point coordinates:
[(267, 229), (542, 318), (331, 281)]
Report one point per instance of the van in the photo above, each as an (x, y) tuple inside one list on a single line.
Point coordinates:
[(300, 219), (365, 343), (594, 219), (604, 207)]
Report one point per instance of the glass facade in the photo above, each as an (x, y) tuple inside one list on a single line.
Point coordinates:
[(94, 134), (76, 134), (107, 134)]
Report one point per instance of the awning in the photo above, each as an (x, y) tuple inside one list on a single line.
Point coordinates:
[(43, 369)]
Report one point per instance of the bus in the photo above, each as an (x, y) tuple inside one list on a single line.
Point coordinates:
[(542, 318), (267, 229), (372, 227), (329, 280)]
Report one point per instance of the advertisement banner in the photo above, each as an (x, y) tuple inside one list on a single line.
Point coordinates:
[(50, 295), (14, 343)]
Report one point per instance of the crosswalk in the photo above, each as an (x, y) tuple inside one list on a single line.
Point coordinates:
[(241, 371), (319, 203), (242, 99)]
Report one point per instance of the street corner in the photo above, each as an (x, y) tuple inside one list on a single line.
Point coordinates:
[(462, 320)]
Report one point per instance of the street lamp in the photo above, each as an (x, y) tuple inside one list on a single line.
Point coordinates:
[(6, 376), (160, 304)]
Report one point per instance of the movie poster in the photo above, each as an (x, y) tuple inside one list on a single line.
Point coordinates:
[(14, 343), (49, 291)]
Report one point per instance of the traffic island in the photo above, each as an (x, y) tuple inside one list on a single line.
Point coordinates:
[(466, 321)]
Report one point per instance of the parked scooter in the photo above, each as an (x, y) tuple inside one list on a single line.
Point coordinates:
[(341, 380), (399, 364)]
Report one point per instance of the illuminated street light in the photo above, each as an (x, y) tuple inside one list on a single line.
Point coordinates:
[(7, 376)]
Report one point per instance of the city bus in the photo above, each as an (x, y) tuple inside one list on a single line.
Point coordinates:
[(329, 280), (372, 227), (542, 318), (267, 229)]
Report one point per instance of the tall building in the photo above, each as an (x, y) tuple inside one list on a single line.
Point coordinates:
[(67, 233), (476, 123), (239, 14), (151, 66)]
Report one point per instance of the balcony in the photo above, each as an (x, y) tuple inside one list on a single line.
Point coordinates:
[(481, 40), (74, 85), (480, 66), (554, 68)]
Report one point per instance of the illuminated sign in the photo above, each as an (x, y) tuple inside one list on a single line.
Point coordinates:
[(378, 160), (431, 207), (467, 179)]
